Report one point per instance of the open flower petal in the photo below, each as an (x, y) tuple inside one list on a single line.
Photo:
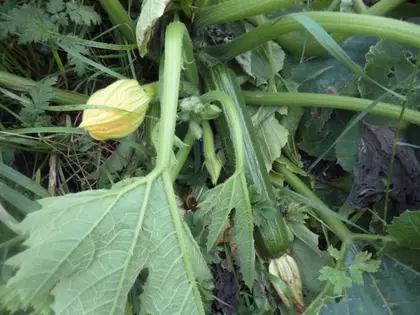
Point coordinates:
[(128, 103)]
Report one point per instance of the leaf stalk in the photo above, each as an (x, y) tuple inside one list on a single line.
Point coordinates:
[(330, 101), (233, 121), (235, 10), (345, 23)]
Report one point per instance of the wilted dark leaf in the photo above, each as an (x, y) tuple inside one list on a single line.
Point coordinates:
[(226, 288), (372, 170)]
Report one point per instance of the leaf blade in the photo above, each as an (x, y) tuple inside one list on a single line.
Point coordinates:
[(335, 50), (112, 243), (405, 229), (214, 209), (273, 137)]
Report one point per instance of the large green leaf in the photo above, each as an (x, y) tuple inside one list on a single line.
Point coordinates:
[(86, 250), (272, 137), (214, 209), (326, 74), (405, 229), (263, 62), (391, 64), (321, 128), (394, 289), (346, 148)]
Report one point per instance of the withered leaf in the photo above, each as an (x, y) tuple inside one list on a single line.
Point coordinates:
[(373, 166), (226, 289)]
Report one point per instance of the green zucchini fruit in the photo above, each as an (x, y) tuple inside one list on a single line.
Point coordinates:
[(271, 239)]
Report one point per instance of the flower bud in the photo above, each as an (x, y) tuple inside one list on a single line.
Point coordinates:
[(213, 166), (287, 270), (128, 104), (212, 161), (211, 112)]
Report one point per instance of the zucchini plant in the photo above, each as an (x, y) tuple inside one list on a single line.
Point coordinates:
[(184, 183)]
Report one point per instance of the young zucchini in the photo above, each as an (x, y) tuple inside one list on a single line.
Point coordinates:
[(271, 239)]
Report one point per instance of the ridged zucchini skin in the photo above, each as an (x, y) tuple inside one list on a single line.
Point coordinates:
[(272, 239)]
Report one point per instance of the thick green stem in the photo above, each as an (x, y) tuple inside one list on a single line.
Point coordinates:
[(169, 99), (373, 237), (312, 48), (345, 23), (233, 121), (338, 227), (174, 37), (330, 101), (234, 10), (182, 154), (119, 16)]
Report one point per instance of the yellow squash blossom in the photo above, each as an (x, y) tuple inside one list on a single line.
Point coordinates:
[(287, 270), (128, 104)]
